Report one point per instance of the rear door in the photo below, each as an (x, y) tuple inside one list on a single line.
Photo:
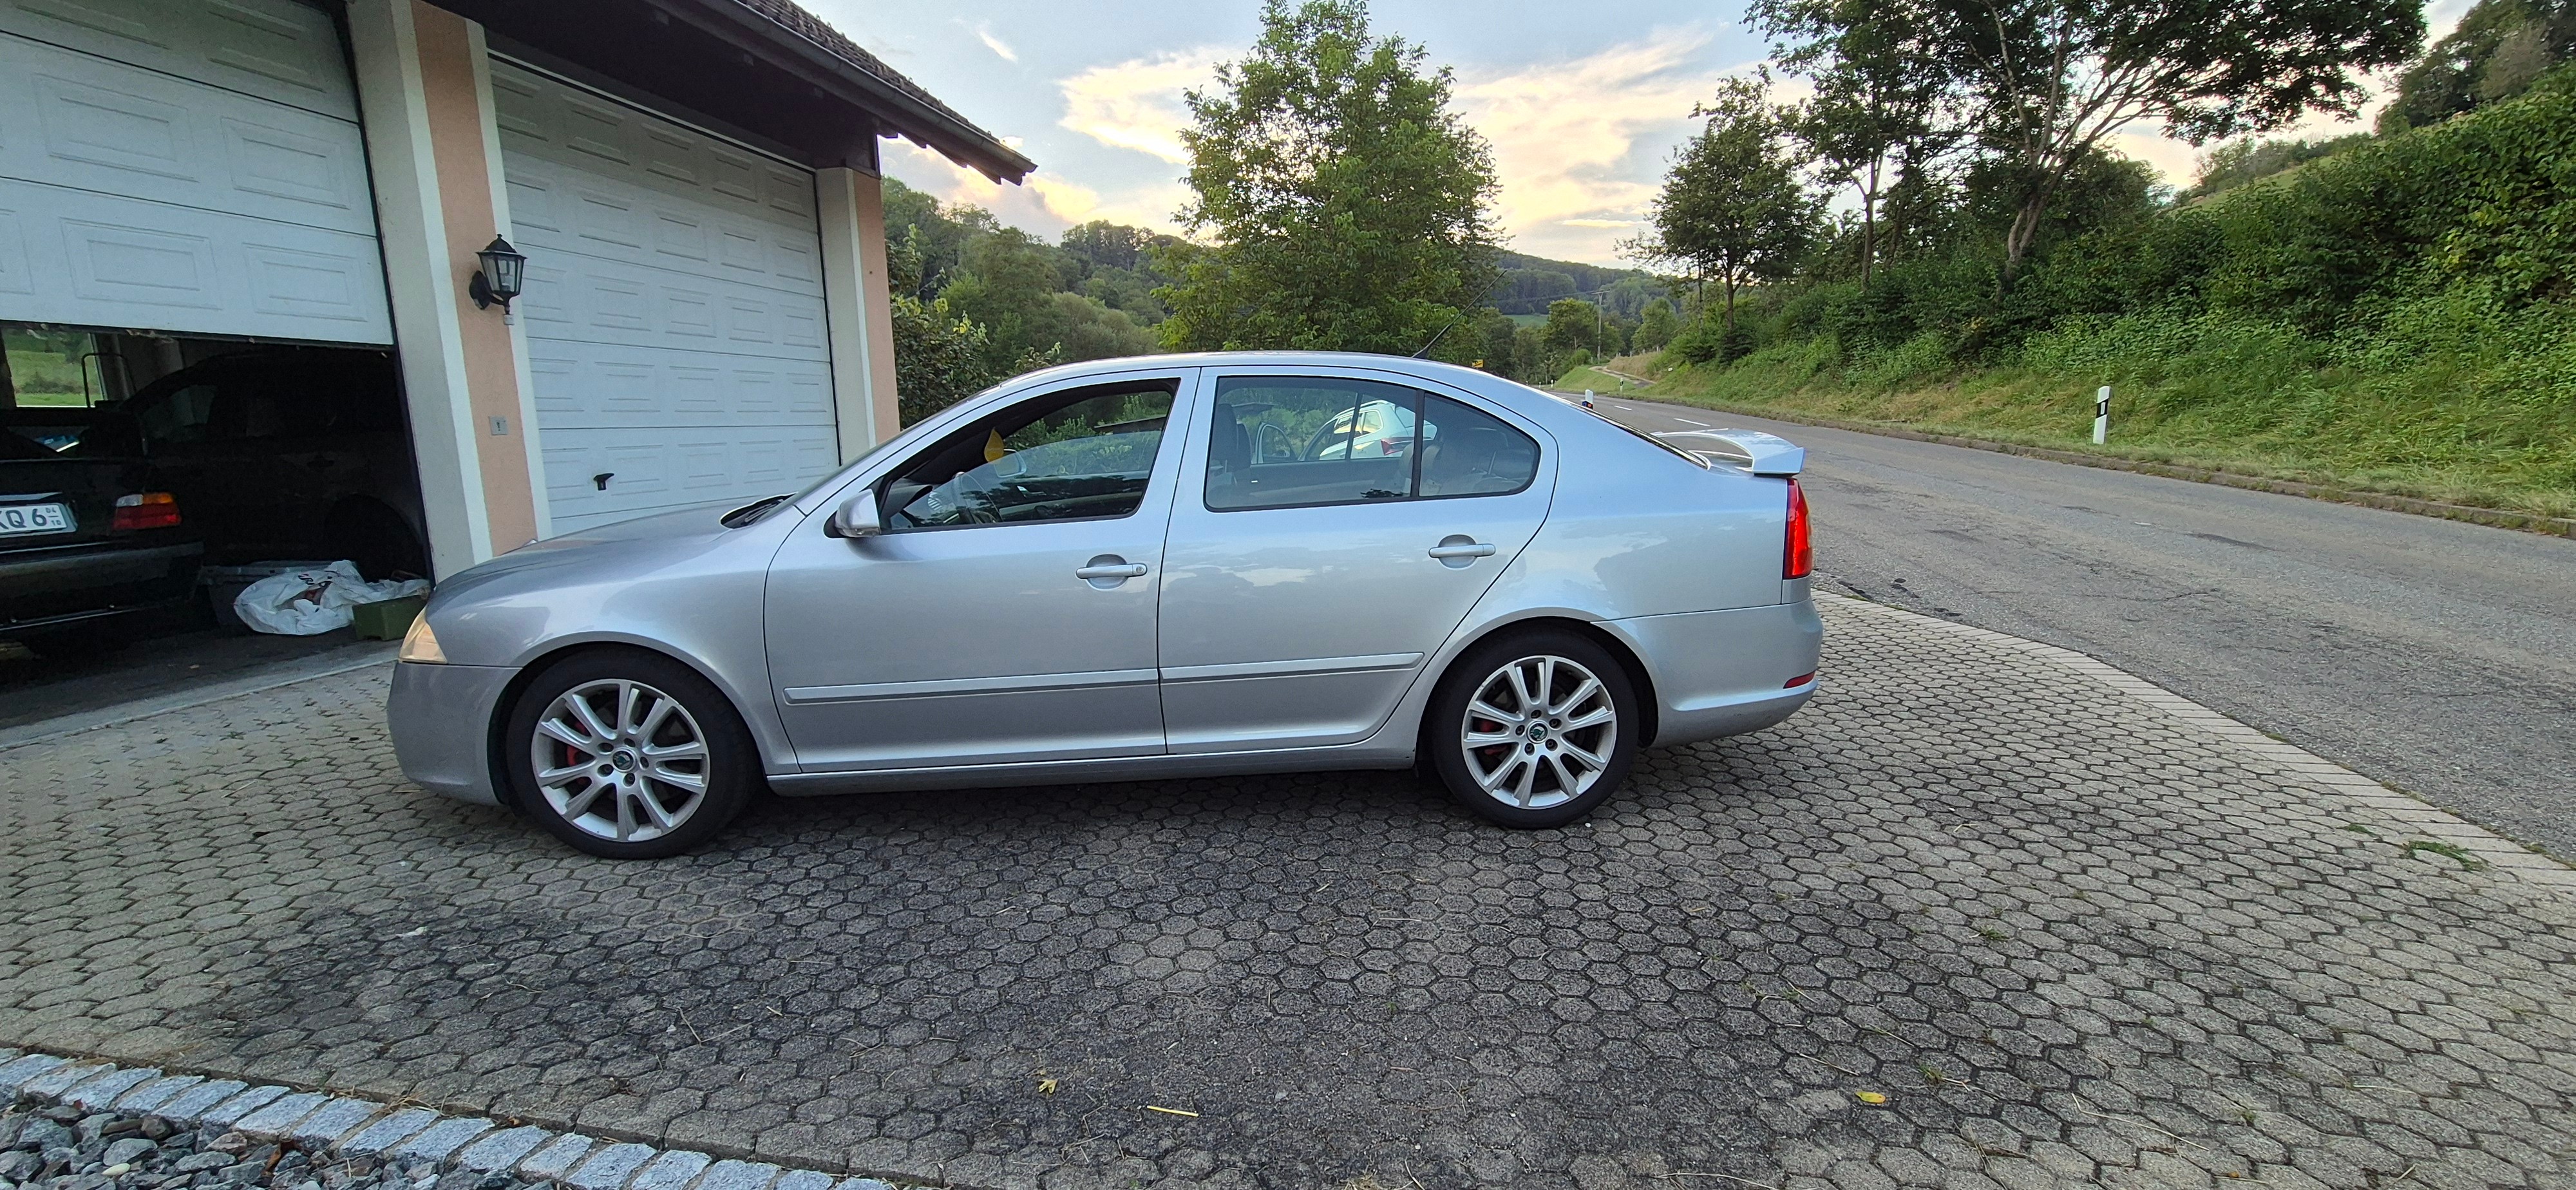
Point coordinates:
[(1334, 527)]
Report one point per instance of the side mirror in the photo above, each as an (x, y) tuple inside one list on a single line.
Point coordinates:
[(856, 517)]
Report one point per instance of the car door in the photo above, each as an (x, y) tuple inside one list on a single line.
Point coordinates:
[(1334, 528), (1007, 612)]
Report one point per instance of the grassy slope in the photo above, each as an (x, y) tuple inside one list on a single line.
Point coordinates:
[(2431, 432)]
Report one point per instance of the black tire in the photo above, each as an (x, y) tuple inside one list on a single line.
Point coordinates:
[(1554, 752), (729, 772)]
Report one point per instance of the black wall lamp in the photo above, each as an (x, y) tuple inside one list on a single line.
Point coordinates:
[(504, 267)]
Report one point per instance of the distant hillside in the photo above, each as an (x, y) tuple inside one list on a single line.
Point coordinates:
[(1531, 282)]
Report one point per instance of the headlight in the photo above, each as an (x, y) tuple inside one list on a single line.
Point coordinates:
[(420, 645)]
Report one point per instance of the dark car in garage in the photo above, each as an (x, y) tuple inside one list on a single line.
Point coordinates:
[(289, 453), (88, 542)]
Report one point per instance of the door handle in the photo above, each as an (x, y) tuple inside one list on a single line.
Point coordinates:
[(1109, 568), (1461, 549)]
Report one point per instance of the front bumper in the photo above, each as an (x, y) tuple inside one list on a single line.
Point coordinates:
[(441, 720)]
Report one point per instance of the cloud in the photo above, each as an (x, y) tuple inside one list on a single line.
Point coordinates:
[(1137, 104), (1567, 135), (1045, 204), (984, 33)]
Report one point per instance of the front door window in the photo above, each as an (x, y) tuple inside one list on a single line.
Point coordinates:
[(1081, 455)]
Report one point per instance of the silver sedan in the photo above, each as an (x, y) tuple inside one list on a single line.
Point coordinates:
[(1159, 567)]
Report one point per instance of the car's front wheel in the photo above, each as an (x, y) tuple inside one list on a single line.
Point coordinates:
[(1533, 729), (628, 755)]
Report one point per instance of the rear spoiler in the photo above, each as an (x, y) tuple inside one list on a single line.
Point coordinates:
[(1753, 450)]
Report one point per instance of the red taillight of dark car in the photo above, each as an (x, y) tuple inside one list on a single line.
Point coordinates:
[(146, 510), (1798, 556)]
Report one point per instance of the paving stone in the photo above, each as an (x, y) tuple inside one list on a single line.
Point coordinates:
[(145, 1097), (333, 1120), (609, 1167), (389, 1131), (732, 1174), (555, 1159), (193, 1103), (277, 1117), (670, 1171), (2053, 915), (22, 1070), (441, 1140), (97, 1093), (503, 1149), (231, 1110), (53, 1083)]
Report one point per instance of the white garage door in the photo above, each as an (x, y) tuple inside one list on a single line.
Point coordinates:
[(674, 306), (184, 165)]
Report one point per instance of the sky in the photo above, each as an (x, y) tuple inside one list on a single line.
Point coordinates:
[(1582, 105)]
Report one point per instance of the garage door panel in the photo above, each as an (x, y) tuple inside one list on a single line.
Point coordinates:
[(144, 135), (565, 210), (649, 471), (673, 307), (139, 264), (600, 386), (544, 120), (281, 51), (600, 301)]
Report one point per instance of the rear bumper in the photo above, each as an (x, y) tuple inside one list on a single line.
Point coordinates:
[(1726, 672), (441, 720), (52, 588)]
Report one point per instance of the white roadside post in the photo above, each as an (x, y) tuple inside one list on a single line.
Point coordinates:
[(2101, 415)]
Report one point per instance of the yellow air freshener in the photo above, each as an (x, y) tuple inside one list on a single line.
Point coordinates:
[(993, 448)]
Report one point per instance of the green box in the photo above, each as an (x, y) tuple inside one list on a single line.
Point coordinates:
[(386, 619)]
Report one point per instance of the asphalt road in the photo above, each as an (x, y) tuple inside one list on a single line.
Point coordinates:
[(2436, 656)]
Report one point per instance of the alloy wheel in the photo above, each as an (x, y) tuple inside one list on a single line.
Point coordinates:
[(620, 760), (1539, 731)]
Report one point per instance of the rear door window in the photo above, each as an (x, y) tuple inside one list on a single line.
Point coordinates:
[(1294, 442)]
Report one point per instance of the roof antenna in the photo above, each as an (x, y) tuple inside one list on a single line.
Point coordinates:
[(1435, 339)]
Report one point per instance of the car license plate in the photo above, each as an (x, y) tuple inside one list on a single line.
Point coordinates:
[(17, 520)]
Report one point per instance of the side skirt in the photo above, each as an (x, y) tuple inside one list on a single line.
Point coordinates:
[(1364, 755)]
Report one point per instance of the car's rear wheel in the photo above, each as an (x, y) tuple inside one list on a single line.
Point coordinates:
[(1533, 729), (628, 755)]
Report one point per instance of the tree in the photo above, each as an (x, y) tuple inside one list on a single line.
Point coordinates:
[(1879, 90), (2496, 51), (1343, 204), (1731, 208), (2050, 81), (1656, 326)]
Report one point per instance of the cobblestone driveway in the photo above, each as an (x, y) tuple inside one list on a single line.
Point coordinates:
[(1975, 917)]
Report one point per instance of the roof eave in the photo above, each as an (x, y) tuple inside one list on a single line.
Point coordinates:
[(901, 113)]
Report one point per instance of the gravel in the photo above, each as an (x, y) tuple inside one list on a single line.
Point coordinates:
[(65, 1147)]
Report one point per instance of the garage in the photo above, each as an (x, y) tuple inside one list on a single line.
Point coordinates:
[(194, 311), (674, 307), (413, 283)]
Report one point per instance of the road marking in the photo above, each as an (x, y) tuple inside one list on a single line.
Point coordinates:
[(1689, 422)]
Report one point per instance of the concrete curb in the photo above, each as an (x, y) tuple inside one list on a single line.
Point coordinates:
[(2407, 818), (347, 1126), (2493, 517)]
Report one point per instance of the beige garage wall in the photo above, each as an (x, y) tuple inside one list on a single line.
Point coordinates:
[(426, 102)]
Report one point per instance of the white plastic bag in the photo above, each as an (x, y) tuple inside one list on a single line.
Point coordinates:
[(312, 602)]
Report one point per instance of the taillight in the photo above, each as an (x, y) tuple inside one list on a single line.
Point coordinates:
[(1797, 557), (146, 510)]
